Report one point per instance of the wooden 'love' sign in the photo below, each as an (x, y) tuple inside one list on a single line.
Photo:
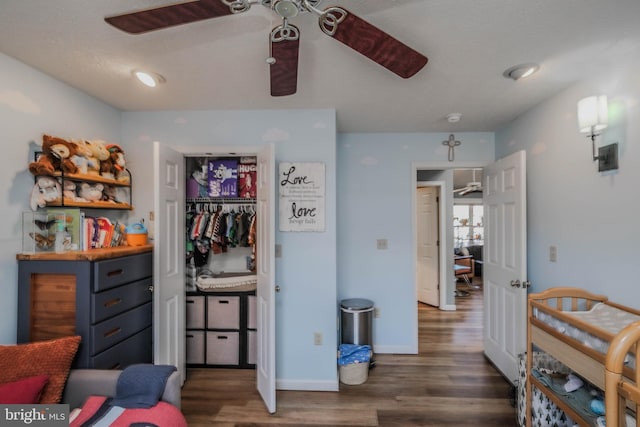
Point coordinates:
[(302, 196)]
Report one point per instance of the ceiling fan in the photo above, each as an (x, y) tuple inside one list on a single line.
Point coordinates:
[(472, 187), (336, 22)]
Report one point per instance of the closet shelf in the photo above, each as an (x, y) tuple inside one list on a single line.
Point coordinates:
[(222, 200)]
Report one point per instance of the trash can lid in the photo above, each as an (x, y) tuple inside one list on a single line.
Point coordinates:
[(356, 304)]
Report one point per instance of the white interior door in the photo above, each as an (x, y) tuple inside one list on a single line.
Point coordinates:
[(265, 261), (168, 259), (427, 265), (505, 262)]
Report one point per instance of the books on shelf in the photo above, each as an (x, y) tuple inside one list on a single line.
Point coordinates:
[(88, 232)]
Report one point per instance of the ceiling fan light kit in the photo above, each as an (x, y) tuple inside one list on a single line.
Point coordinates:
[(336, 22)]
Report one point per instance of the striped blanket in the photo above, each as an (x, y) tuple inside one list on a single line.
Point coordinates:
[(98, 412)]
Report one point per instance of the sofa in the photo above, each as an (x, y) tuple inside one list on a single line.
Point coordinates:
[(41, 372), (83, 383)]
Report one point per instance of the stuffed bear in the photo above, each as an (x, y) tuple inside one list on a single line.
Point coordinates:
[(46, 189), (56, 156), (91, 192), (99, 154)]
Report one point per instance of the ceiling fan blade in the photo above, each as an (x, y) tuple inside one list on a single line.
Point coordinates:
[(285, 43), (371, 42), (175, 14)]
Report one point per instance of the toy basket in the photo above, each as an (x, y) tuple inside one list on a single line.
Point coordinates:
[(354, 373)]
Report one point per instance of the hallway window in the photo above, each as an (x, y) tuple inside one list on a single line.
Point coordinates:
[(468, 228)]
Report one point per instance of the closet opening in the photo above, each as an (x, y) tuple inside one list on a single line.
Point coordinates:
[(220, 256)]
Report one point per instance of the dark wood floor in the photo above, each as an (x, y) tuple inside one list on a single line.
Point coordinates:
[(449, 383)]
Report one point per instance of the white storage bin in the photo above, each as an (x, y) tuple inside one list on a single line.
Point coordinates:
[(222, 348), (223, 312), (195, 347), (195, 312), (252, 343), (252, 315)]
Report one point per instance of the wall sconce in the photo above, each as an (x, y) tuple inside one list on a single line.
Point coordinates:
[(593, 116)]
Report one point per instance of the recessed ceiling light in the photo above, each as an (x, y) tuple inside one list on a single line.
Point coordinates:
[(454, 117), (521, 71), (148, 78)]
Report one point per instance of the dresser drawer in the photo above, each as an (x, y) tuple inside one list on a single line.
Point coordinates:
[(135, 349), (195, 312), (105, 334), (223, 312), (118, 300), (222, 348), (118, 271)]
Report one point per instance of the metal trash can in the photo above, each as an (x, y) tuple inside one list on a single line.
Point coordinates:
[(356, 321)]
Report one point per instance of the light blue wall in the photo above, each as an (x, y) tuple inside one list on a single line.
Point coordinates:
[(306, 272), (375, 202), (31, 104), (591, 217)]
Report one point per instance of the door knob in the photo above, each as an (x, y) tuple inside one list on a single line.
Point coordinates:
[(277, 288), (515, 283)]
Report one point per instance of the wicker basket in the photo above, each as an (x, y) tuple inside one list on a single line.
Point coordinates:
[(354, 373)]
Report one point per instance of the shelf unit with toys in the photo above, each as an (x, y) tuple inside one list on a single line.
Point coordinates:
[(116, 192)]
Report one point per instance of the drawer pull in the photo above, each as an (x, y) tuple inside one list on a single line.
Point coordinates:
[(190, 336), (116, 366), (112, 332), (223, 302), (115, 272), (222, 337), (190, 301), (112, 302)]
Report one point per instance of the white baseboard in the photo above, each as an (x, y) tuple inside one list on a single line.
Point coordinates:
[(448, 307), (397, 349), (307, 385)]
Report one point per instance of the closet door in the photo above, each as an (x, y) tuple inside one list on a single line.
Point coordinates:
[(266, 360), (168, 262)]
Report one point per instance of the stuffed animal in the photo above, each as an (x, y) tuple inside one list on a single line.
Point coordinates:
[(99, 154), (83, 157), (46, 189), (118, 164), (91, 192), (56, 156), (69, 192)]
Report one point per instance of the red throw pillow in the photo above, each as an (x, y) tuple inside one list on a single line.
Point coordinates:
[(25, 391), (52, 358)]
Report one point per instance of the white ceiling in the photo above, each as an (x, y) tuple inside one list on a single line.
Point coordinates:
[(220, 63)]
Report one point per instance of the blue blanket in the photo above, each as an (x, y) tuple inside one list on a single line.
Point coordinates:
[(142, 385)]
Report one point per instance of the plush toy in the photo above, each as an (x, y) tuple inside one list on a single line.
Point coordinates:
[(99, 154), (118, 164), (56, 156), (46, 189), (69, 192), (91, 192), (83, 157)]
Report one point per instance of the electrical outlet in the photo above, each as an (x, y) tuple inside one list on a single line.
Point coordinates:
[(553, 254), (381, 243), (278, 251), (317, 338), (376, 312)]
